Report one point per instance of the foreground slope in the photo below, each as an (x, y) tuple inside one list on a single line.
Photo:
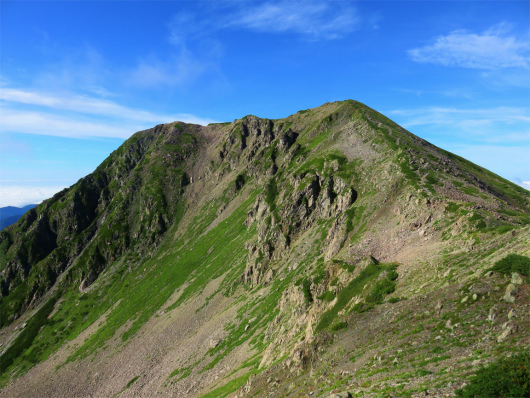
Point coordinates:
[(330, 250)]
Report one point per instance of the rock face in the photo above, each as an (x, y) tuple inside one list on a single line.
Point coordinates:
[(261, 257)]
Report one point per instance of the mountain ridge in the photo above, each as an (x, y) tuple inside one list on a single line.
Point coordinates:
[(281, 221)]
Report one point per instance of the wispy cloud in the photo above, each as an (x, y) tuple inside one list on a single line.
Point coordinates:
[(491, 49), (78, 103), (47, 123), (181, 68), (72, 115), (193, 56), (455, 116), (450, 115), (82, 69), (197, 52), (486, 125), (315, 19)]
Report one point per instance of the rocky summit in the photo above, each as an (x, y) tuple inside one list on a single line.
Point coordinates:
[(331, 253)]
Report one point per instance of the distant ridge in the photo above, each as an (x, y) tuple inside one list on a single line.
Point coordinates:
[(10, 214)]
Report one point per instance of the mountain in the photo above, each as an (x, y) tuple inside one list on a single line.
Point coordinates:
[(10, 215), (331, 251)]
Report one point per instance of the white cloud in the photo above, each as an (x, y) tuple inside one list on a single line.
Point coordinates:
[(180, 69), (46, 123), (79, 103), (181, 66), (500, 124), (316, 19), (492, 49), (71, 115), (24, 195)]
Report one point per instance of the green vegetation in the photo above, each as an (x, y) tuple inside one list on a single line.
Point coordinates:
[(271, 192), (513, 263), (131, 382), (339, 326), (380, 290), (306, 289), (327, 296), (231, 386), (21, 349), (452, 207), (354, 288), (506, 378), (350, 213), (183, 372)]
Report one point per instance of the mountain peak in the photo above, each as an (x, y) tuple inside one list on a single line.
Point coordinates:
[(208, 257)]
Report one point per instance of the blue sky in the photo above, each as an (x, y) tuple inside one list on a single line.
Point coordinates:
[(77, 78)]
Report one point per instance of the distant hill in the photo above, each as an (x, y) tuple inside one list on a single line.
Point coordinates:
[(10, 214)]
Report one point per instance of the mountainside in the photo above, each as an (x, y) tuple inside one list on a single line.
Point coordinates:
[(329, 251), (10, 214)]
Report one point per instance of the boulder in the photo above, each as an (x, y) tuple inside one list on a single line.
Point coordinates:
[(516, 279), (511, 289)]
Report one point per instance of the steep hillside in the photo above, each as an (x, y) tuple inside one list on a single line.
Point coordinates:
[(328, 251)]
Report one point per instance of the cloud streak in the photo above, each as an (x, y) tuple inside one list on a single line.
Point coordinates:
[(315, 20), (450, 115), (78, 103), (76, 116), (490, 50)]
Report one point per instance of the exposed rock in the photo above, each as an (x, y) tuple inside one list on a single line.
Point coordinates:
[(341, 395), (508, 328), (511, 290), (215, 342), (516, 279)]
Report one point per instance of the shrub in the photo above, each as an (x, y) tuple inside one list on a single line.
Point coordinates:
[(380, 290), (339, 325), (508, 377), (392, 275), (306, 288), (327, 296), (350, 213), (513, 263), (362, 307), (271, 193), (240, 181), (320, 274)]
